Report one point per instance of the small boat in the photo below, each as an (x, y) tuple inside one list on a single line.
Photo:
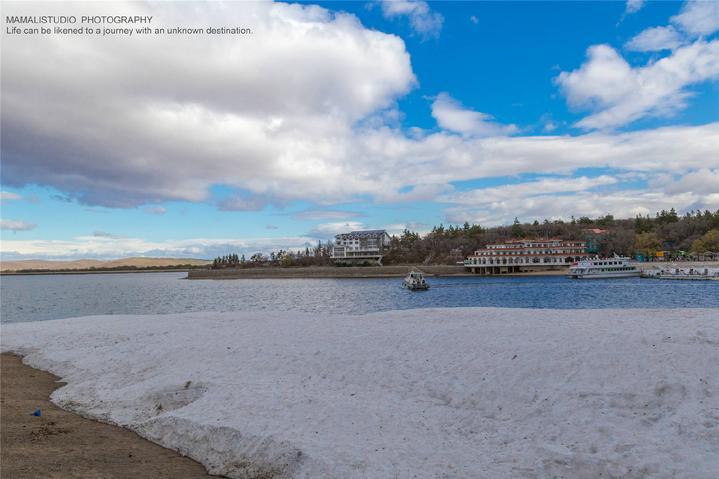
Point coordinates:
[(603, 268), (414, 281)]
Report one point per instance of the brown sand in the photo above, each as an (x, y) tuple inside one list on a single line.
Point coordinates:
[(60, 444)]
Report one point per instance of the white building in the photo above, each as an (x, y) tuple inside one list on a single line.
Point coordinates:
[(525, 255), (358, 247)]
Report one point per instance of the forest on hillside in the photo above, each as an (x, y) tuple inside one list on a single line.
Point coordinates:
[(693, 233)]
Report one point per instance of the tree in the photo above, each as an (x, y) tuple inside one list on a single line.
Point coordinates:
[(517, 231), (647, 243), (708, 242)]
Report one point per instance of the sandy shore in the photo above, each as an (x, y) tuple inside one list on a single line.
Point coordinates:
[(60, 444)]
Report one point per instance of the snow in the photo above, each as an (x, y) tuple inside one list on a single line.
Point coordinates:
[(438, 393)]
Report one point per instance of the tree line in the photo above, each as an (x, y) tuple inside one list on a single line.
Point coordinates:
[(695, 232), (318, 255)]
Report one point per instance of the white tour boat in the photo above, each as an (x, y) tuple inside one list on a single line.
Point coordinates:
[(603, 268), (415, 281), (689, 274)]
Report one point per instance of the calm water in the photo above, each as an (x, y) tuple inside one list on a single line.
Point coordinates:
[(33, 298)]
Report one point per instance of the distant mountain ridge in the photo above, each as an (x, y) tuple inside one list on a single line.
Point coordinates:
[(135, 262)]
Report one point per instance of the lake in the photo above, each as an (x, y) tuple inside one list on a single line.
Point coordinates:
[(42, 297)]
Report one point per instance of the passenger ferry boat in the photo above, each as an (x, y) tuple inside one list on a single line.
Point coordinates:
[(603, 268), (690, 274), (415, 281)]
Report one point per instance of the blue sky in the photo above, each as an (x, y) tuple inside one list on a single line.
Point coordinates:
[(344, 115)]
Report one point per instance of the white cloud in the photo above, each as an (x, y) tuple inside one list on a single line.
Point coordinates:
[(14, 225), (441, 158), (102, 247), (451, 115), (548, 124), (285, 114), (249, 203), (156, 210), (419, 192), (328, 230), (396, 229), (698, 17), (258, 112), (634, 6), (105, 234), (561, 198), (619, 94), (9, 196), (655, 39), (422, 19), (511, 192), (700, 182), (323, 214)]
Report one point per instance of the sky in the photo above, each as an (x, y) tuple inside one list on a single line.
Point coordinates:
[(337, 116)]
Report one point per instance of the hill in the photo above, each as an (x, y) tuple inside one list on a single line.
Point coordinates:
[(84, 264)]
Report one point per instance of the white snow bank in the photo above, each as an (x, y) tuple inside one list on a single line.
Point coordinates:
[(443, 393)]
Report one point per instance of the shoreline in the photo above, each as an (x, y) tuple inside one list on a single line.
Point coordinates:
[(348, 272), (340, 272), (63, 444), (87, 271), (393, 271)]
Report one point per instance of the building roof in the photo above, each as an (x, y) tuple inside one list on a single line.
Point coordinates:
[(362, 234)]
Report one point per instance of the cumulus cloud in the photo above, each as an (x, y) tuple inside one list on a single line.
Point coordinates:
[(451, 115), (414, 226), (701, 182), (422, 19), (619, 94), (655, 39), (14, 225), (260, 112), (328, 230), (634, 6), (560, 198), (285, 114), (698, 17)]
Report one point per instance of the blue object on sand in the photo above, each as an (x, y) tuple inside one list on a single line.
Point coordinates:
[(37, 413)]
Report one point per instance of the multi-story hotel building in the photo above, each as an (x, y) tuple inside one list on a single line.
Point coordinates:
[(357, 247), (525, 255)]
